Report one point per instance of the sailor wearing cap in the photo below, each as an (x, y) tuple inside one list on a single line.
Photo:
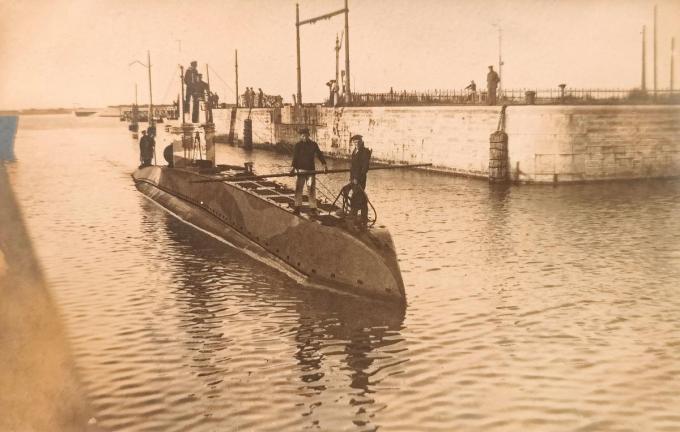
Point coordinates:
[(492, 80), (361, 157), (190, 80), (146, 149), (304, 153)]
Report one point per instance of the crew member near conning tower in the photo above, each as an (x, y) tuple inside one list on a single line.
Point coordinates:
[(304, 153), (492, 80), (361, 157), (190, 80), (146, 150)]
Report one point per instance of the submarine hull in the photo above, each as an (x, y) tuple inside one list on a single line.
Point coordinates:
[(302, 247)]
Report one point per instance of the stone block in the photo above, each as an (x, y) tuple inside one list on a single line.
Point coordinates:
[(544, 163)]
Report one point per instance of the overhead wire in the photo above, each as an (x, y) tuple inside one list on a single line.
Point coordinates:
[(170, 84), (230, 88)]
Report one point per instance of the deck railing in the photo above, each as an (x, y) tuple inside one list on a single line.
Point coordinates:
[(523, 96)]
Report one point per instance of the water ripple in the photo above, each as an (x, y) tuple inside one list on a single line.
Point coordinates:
[(530, 308)]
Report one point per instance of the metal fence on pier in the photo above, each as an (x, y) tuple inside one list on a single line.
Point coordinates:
[(524, 96)]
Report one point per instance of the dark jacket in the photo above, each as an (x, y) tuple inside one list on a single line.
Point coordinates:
[(303, 155), (190, 77), (146, 145), (359, 168), (492, 79)]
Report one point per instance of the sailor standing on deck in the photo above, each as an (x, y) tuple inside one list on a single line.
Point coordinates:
[(303, 161), (361, 157), (146, 149)]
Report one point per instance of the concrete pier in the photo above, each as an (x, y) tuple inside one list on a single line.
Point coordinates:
[(40, 387), (546, 143)]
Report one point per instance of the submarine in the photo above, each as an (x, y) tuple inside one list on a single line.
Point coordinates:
[(255, 214)]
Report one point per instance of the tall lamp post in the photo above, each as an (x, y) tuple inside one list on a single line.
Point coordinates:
[(299, 23), (148, 66), (500, 60)]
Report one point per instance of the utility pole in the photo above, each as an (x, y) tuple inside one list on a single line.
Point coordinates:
[(297, 38), (348, 92), (148, 62), (181, 87), (655, 51), (236, 66), (672, 59), (643, 85), (207, 74), (148, 66), (337, 59), (299, 23), (500, 62)]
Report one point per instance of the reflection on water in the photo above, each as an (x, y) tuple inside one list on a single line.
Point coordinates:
[(333, 338), (529, 307)]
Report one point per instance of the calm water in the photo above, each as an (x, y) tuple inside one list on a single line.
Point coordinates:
[(529, 308)]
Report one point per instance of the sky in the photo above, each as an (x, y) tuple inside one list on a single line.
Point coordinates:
[(56, 53)]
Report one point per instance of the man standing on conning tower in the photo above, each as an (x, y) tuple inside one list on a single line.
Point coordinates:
[(191, 81)]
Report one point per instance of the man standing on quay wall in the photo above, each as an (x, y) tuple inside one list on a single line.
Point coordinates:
[(492, 80), (303, 161)]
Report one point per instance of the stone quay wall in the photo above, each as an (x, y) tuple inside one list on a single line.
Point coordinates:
[(588, 143), (546, 144)]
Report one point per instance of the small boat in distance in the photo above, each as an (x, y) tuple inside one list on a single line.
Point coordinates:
[(84, 113)]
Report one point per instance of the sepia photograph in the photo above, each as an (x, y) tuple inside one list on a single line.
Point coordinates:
[(340, 215)]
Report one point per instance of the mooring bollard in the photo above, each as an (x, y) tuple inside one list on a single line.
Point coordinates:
[(530, 97), (498, 152), (248, 134), (498, 157)]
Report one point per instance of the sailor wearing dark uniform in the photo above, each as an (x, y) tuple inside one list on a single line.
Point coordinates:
[(492, 80), (361, 157), (146, 149), (190, 80), (304, 153)]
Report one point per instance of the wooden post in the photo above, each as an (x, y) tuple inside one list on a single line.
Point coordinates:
[(181, 86), (337, 59), (236, 66), (297, 39), (348, 92), (672, 59), (655, 88), (500, 64), (643, 86), (148, 62)]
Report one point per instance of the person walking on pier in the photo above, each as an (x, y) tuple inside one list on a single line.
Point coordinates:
[(146, 149), (361, 157), (331, 93), (304, 154), (473, 91), (251, 98), (260, 98), (492, 80)]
